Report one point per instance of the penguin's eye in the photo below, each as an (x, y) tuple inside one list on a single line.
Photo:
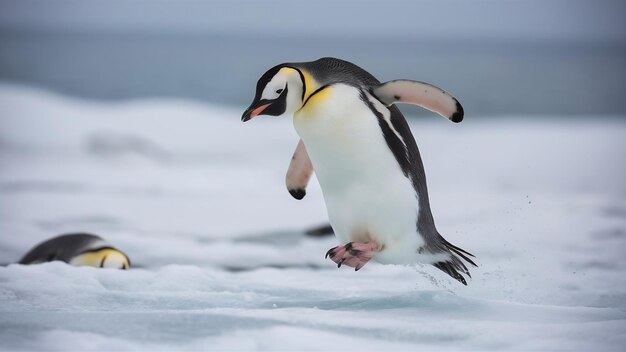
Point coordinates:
[(279, 91)]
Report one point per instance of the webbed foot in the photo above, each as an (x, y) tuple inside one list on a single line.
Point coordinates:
[(353, 254)]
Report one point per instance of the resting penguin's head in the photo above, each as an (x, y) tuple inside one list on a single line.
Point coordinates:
[(102, 258), (279, 91)]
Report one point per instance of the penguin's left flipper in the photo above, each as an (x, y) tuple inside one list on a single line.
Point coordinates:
[(299, 172), (423, 94)]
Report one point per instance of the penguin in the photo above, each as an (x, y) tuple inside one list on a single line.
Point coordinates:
[(365, 158), (79, 249)]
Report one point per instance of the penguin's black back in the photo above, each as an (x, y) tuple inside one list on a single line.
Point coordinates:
[(329, 70), (63, 247)]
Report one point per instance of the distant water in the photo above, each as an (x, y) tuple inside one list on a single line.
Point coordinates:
[(487, 77)]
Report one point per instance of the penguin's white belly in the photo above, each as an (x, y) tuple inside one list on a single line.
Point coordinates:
[(366, 193)]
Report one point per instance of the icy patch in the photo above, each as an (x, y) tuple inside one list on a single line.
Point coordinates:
[(190, 307)]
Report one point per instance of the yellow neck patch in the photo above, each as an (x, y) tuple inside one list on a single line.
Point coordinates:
[(317, 97), (314, 93), (104, 258)]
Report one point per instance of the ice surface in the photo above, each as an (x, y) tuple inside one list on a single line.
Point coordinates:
[(197, 200)]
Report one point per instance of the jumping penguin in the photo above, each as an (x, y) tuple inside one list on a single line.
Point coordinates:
[(79, 249), (365, 158)]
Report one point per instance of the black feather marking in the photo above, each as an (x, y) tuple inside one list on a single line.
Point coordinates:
[(303, 82), (316, 91), (397, 146), (464, 257), (457, 248), (453, 265), (102, 261), (458, 114), (298, 193), (278, 105), (96, 249), (450, 268), (458, 251)]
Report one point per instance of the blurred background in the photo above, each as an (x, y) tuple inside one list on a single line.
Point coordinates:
[(561, 57)]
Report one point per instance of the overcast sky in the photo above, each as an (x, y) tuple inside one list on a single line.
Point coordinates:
[(589, 20)]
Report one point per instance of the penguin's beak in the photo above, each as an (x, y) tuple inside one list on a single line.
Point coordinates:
[(254, 110)]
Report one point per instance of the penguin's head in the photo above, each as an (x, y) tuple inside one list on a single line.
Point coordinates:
[(102, 258), (279, 91)]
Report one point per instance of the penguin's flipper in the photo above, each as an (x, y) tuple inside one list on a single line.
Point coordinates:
[(299, 172), (422, 94)]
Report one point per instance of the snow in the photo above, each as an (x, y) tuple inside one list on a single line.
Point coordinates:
[(197, 200)]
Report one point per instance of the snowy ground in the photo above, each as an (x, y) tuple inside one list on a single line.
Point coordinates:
[(197, 200)]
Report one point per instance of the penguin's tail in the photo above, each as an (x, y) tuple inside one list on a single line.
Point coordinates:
[(455, 266)]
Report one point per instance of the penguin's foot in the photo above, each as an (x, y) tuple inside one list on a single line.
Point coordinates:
[(353, 254)]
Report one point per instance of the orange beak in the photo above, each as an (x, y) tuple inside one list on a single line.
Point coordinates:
[(248, 115)]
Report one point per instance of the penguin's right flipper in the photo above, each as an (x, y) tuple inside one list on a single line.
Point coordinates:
[(422, 94), (299, 172)]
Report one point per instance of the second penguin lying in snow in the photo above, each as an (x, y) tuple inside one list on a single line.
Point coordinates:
[(365, 159), (78, 249)]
